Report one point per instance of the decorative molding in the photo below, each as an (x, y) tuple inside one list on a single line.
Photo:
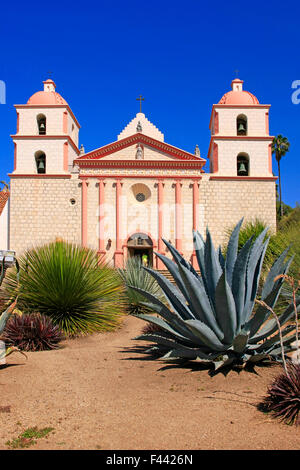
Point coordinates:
[(40, 176), (244, 178), (142, 139), (38, 106)]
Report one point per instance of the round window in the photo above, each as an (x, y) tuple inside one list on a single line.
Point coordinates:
[(140, 197)]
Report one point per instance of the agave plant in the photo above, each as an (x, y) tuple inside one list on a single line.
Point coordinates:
[(5, 316), (134, 275), (212, 316), (67, 283)]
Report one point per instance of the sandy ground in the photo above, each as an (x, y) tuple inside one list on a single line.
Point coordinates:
[(100, 393)]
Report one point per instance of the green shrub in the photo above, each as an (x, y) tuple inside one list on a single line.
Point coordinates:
[(135, 275), (67, 283)]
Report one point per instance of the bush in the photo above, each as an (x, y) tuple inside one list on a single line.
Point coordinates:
[(32, 332), (135, 275), (283, 396), (67, 283)]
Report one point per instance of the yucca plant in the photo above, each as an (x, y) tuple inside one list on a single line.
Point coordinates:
[(68, 283), (212, 316), (32, 332), (134, 275)]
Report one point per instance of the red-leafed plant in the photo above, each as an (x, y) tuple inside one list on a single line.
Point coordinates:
[(283, 395), (32, 332)]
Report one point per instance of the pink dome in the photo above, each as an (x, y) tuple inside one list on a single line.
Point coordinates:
[(238, 96), (46, 98)]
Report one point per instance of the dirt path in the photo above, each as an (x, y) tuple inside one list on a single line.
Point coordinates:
[(98, 392)]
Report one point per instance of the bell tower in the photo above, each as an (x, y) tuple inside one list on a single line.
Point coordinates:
[(46, 140), (240, 144)]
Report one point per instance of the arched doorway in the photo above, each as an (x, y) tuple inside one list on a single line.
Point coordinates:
[(141, 245)]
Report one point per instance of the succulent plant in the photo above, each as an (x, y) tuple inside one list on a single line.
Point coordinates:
[(32, 332), (212, 317)]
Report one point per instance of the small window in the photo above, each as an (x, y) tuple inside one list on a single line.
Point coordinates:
[(243, 165), (241, 125), (40, 160), (41, 122), (140, 197)]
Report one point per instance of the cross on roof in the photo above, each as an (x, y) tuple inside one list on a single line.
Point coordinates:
[(140, 99), (236, 73)]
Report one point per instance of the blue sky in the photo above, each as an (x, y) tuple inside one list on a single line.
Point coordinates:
[(180, 55)]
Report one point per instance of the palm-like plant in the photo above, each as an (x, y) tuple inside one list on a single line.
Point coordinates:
[(134, 275), (67, 283), (211, 317), (280, 146)]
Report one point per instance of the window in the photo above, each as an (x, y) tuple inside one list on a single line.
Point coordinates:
[(41, 122), (243, 164), (241, 125), (40, 161)]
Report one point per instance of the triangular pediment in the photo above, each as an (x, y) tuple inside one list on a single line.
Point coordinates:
[(126, 150)]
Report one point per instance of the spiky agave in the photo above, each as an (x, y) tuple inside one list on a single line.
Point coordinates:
[(134, 275), (211, 316)]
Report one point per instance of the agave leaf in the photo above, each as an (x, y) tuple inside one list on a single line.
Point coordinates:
[(212, 267), (239, 281), (240, 341), (226, 361), (179, 259), (271, 326), (2, 270), (199, 301), (199, 245), (5, 315), (253, 274), (206, 335), (232, 249), (262, 313), (221, 257), (174, 270), (225, 309), (164, 325), (274, 339), (275, 270), (258, 357), (172, 294), (180, 353), (168, 343)]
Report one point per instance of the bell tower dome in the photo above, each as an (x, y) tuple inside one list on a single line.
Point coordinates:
[(240, 144), (46, 141)]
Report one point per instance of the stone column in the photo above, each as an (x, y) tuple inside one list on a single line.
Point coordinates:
[(84, 184), (195, 216), (160, 201), (118, 252), (101, 249), (178, 216)]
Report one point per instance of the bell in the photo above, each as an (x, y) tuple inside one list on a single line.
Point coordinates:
[(242, 170), (241, 127), (41, 166)]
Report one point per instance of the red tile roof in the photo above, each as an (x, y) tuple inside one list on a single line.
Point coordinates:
[(4, 195)]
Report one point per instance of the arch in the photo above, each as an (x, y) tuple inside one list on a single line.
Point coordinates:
[(243, 164), (41, 123), (141, 245), (141, 192), (40, 162), (242, 124)]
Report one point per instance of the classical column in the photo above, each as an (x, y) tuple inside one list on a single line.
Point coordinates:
[(101, 249), (195, 217), (118, 252), (160, 201), (178, 216), (84, 211)]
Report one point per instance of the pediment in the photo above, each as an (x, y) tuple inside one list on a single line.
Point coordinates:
[(126, 150)]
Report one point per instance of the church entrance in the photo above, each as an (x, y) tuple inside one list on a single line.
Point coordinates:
[(141, 245)]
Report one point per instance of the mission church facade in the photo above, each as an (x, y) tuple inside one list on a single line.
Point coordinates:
[(123, 198)]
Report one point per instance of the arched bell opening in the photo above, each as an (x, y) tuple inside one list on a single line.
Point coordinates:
[(40, 161), (243, 164), (241, 125), (41, 123)]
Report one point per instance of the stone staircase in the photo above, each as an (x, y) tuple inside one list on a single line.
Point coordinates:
[(168, 275)]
